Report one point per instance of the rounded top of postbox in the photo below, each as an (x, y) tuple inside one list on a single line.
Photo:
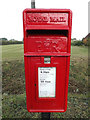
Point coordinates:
[(47, 18), (48, 10)]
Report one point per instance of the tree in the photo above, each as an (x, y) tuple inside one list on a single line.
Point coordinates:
[(4, 39)]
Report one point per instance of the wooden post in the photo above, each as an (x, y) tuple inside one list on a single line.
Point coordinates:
[(32, 3), (45, 116)]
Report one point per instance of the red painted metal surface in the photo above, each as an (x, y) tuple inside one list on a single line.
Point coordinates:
[(47, 32)]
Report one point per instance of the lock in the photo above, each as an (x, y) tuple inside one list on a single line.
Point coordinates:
[(47, 60)]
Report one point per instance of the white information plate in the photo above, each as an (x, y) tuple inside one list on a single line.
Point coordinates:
[(47, 81)]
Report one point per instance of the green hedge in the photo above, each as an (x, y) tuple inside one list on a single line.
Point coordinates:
[(77, 43), (4, 42)]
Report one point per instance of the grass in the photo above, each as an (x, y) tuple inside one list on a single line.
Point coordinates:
[(12, 52), (79, 51), (15, 107), (14, 97)]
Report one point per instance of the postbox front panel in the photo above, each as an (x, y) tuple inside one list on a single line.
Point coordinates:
[(47, 35), (47, 43)]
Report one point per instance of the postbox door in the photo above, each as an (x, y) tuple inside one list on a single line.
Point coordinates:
[(35, 101)]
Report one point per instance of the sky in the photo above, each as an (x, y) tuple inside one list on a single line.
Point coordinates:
[(11, 22)]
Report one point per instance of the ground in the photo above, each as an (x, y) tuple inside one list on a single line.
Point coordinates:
[(13, 84)]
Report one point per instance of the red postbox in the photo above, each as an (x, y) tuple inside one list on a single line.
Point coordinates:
[(47, 43)]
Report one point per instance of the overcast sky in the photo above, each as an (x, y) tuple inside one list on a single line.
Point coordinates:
[(11, 25)]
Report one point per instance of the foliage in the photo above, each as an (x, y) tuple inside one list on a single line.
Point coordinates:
[(11, 42), (74, 39), (77, 43), (5, 41)]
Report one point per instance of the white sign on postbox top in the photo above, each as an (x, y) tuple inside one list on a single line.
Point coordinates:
[(47, 81)]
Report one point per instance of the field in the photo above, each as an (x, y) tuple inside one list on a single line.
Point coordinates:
[(13, 84)]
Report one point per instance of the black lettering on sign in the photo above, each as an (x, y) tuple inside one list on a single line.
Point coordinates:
[(45, 71), (42, 81), (47, 81)]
